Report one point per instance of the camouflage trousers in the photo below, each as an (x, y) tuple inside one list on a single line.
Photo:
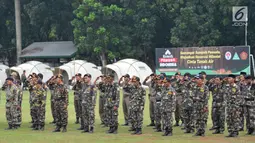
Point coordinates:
[(188, 118), (250, 117), (52, 105), (102, 109), (19, 112), (242, 115), (167, 120), (219, 118), (61, 113), (233, 118), (157, 114), (33, 112), (111, 117), (136, 118), (213, 115), (200, 118), (12, 115), (77, 108), (152, 107), (88, 115), (39, 115), (178, 109)]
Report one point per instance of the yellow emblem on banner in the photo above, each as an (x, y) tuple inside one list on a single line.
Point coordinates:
[(170, 92), (233, 90)]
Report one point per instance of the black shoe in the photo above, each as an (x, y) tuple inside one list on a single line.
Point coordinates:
[(9, 127), (158, 128), (132, 129), (151, 124), (35, 128), (64, 129), (57, 129), (126, 124), (85, 130), (77, 120), (111, 130), (139, 132), (135, 131), (217, 131), (91, 130), (213, 128), (177, 124), (81, 128), (53, 122), (115, 130), (231, 135)]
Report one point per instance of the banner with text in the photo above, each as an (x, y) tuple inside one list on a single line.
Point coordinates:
[(213, 60)]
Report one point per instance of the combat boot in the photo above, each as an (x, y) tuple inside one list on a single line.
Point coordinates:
[(177, 124), (158, 129), (77, 120), (217, 131), (212, 128), (250, 131), (131, 129), (115, 130), (91, 130), (64, 129), (166, 132), (139, 131), (135, 131), (57, 129), (9, 127), (35, 127), (85, 130), (151, 124), (81, 128), (110, 130)]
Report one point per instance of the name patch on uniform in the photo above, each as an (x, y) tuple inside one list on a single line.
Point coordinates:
[(233, 90)]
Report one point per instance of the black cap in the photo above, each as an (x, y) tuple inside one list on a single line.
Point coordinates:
[(248, 77), (202, 73), (232, 76), (78, 74), (152, 74), (163, 74), (39, 82), (127, 75), (218, 77), (40, 76), (243, 73), (87, 75), (187, 74), (178, 73), (137, 79), (9, 78)]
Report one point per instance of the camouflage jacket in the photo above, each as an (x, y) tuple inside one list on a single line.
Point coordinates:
[(152, 88), (200, 96), (233, 96), (187, 91), (88, 95), (137, 98), (168, 99), (126, 89), (39, 97), (177, 86), (61, 93), (77, 87), (12, 92), (249, 95), (112, 95), (158, 96), (218, 96)]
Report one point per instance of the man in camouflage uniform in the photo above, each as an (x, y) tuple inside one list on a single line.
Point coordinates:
[(168, 102), (240, 81), (51, 84), (157, 106), (136, 108), (249, 97), (200, 102), (218, 105), (12, 104), (61, 104), (77, 87), (179, 98), (112, 104), (39, 103), (101, 87), (32, 89), (126, 94), (88, 97), (152, 87), (234, 101)]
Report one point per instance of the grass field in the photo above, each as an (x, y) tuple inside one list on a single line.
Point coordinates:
[(26, 135)]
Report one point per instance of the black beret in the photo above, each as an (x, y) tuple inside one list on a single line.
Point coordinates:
[(203, 73), (78, 74), (137, 79), (243, 73), (187, 74), (231, 75), (163, 74), (127, 75), (178, 73), (40, 75), (88, 75), (152, 74), (9, 78)]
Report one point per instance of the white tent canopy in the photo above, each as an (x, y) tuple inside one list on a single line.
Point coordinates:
[(34, 67), (132, 67), (80, 66), (3, 75)]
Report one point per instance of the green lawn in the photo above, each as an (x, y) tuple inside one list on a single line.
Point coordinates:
[(26, 135)]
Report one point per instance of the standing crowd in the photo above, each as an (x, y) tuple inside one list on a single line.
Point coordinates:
[(184, 98)]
